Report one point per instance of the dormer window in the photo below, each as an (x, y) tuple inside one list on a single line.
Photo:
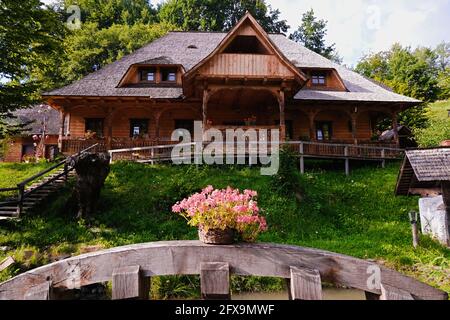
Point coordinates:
[(318, 79), (148, 75), (168, 74)]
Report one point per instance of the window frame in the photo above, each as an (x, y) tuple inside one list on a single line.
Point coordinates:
[(99, 134), (145, 71), (317, 76), (319, 127), (144, 124), (169, 71)]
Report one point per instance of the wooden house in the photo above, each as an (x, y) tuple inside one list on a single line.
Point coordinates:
[(39, 120), (245, 78)]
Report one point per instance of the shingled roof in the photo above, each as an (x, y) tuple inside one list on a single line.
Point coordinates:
[(189, 48), (423, 169), (35, 116)]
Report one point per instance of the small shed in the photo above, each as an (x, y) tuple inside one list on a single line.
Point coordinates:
[(405, 136), (426, 172)]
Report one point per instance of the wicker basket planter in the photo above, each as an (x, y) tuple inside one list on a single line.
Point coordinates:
[(216, 236)]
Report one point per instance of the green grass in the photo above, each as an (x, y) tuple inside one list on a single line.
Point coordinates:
[(439, 125), (13, 173), (357, 215)]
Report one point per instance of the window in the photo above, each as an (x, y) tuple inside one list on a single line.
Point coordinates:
[(318, 79), (138, 128), (148, 75), (246, 45), (185, 124), (168, 75), (94, 125), (324, 130)]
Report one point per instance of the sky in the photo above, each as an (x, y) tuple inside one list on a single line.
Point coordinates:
[(359, 27)]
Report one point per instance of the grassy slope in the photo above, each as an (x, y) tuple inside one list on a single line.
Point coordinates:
[(439, 128), (13, 173), (357, 215)]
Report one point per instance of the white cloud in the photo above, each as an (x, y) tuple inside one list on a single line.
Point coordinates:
[(362, 26)]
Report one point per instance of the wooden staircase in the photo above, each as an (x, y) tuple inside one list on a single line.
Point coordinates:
[(37, 193), (36, 189)]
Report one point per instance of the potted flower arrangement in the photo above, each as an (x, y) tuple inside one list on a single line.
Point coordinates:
[(223, 215)]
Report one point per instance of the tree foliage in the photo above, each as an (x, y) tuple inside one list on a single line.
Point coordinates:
[(27, 32), (219, 15), (422, 73), (311, 33)]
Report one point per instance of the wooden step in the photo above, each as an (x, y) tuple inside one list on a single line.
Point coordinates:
[(7, 213)]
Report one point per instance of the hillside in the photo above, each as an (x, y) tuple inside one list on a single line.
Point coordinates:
[(439, 125), (357, 215)]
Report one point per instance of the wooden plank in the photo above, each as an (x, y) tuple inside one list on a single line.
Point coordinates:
[(6, 263), (306, 284), (40, 292), (129, 283), (393, 293), (183, 258), (215, 280)]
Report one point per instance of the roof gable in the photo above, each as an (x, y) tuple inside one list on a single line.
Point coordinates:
[(248, 26)]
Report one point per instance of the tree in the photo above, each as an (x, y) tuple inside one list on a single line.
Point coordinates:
[(442, 52), (219, 15), (311, 33), (90, 48), (105, 13), (409, 72), (27, 31)]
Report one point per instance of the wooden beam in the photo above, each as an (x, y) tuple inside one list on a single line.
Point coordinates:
[(393, 293), (62, 119), (395, 128), (41, 291), (305, 284), (129, 283), (282, 105), (215, 280)]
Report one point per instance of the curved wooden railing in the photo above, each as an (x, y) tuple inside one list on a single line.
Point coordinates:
[(130, 267)]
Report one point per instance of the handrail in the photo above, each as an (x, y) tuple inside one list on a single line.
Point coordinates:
[(342, 145), (22, 193), (214, 264)]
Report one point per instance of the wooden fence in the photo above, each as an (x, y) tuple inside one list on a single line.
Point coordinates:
[(131, 267)]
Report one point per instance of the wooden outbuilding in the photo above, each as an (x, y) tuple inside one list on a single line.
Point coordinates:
[(426, 172)]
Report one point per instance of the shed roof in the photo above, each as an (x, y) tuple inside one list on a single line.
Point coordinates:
[(423, 169), (189, 48), (430, 164), (36, 115)]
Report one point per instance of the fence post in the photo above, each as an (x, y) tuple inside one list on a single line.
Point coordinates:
[(347, 161), (20, 199), (383, 161), (302, 158), (66, 172)]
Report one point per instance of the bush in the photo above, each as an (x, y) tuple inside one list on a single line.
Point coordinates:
[(287, 180)]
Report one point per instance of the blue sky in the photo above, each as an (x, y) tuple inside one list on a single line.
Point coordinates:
[(359, 27)]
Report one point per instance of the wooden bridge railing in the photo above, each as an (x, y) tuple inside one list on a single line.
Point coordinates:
[(131, 267)]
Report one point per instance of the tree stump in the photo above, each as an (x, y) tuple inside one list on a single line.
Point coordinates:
[(92, 170)]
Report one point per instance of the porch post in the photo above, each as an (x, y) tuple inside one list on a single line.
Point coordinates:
[(282, 104), (206, 96), (108, 124), (395, 127), (312, 130), (354, 128), (62, 118), (157, 125)]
